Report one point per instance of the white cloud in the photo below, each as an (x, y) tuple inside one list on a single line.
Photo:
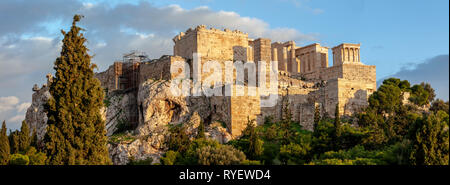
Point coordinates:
[(23, 107), (17, 119), (30, 42), (8, 103), (434, 71)]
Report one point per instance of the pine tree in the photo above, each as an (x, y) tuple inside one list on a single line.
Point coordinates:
[(4, 146), (24, 137), (76, 131)]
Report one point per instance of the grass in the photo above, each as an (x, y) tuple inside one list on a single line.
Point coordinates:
[(121, 137)]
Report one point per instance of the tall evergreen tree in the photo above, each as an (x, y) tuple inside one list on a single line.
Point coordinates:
[(430, 140), (337, 121), (14, 142), (24, 137), (201, 130), (255, 148), (4, 146), (316, 117), (430, 90), (76, 131), (337, 128), (34, 140)]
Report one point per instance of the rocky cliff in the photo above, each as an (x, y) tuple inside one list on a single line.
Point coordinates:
[(157, 110)]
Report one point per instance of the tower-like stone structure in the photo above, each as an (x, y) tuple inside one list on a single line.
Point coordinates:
[(346, 54)]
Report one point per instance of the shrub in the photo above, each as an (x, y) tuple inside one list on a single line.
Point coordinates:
[(19, 159), (36, 158), (169, 158), (147, 161), (222, 155)]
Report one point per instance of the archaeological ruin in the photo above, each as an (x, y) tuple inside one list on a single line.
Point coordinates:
[(305, 79)]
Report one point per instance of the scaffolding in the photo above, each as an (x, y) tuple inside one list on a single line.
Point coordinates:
[(135, 56)]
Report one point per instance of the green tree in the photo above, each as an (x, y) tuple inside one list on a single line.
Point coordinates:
[(438, 105), (431, 94), (14, 141), (255, 149), (316, 116), (294, 153), (178, 139), (34, 140), (386, 99), (419, 95), (76, 131), (201, 130), (24, 137), (337, 122), (431, 140), (4, 146)]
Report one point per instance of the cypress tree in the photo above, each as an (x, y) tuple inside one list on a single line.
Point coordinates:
[(337, 128), (76, 131), (201, 130), (337, 121), (24, 137), (4, 146), (316, 117), (34, 140), (14, 142), (255, 148)]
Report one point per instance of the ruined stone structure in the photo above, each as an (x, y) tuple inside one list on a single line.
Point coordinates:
[(305, 78), (138, 91)]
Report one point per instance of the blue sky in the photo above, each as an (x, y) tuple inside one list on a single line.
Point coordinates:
[(403, 38), (393, 34)]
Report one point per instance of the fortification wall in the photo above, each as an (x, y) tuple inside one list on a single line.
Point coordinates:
[(157, 69), (109, 78)]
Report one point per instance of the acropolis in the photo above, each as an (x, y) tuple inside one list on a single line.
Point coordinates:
[(306, 80)]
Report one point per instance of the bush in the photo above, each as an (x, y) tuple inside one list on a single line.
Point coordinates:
[(36, 158), (294, 153), (169, 158), (19, 159), (250, 162), (147, 161), (222, 155), (178, 140), (122, 126)]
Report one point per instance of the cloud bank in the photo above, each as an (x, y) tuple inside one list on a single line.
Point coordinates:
[(434, 71), (31, 39)]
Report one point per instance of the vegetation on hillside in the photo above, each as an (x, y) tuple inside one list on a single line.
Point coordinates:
[(390, 131)]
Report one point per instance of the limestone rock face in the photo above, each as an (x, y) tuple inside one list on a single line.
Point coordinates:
[(157, 110), (139, 149), (158, 106), (35, 117), (218, 132), (115, 110)]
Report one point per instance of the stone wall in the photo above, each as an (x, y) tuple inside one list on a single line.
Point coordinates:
[(157, 69), (304, 80)]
